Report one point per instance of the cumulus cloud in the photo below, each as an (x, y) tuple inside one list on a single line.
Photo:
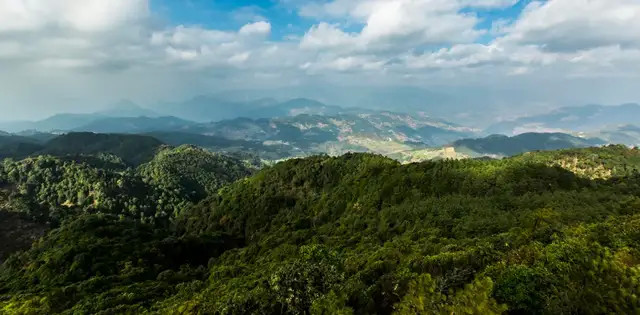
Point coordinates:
[(81, 15), (570, 25), (257, 28), (67, 44), (325, 35), (393, 24)]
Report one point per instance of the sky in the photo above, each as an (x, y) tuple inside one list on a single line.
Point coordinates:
[(504, 57)]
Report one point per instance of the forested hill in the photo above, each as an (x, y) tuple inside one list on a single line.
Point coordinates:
[(51, 189), (357, 234), (191, 173), (500, 145), (131, 149), (12, 146)]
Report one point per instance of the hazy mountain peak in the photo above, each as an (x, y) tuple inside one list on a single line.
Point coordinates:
[(587, 118), (127, 108), (303, 101)]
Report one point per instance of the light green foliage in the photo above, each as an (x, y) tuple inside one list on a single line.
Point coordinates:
[(52, 189), (189, 174), (423, 297), (612, 161)]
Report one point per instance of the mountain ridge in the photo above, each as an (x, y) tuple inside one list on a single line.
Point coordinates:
[(588, 118), (501, 145)]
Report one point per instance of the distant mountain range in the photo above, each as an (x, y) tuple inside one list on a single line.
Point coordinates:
[(135, 124), (201, 109), (504, 146), (54, 123), (626, 134), (274, 130), (73, 121), (298, 125), (587, 119), (211, 108), (363, 132), (127, 108)]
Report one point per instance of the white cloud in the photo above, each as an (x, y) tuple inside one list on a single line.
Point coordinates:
[(488, 4), (257, 28), (117, 47), (184, 36), (239, 58), (361, 9), (569, 25), (80, 15), (325, 35), (392, 24)]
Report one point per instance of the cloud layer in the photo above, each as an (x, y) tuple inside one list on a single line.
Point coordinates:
[(66, 52)]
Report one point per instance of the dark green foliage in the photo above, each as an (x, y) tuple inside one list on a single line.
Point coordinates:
[(133, 149), (12, 146), (219, 144), (110, 258), (17, 232), (357, 234), (508, 146)]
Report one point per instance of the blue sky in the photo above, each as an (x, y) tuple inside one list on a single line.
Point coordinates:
[(231, 15), (284, 18)]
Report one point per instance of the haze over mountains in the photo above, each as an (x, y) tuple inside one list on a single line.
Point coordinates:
[(278, 129), (588, 118)]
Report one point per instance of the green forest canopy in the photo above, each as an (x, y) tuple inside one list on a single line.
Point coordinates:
[(549, 232)]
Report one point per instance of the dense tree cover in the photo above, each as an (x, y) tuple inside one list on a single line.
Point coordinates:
[(99, 262), (13, 146), (245, 150), (132, 149), (17, 232), (51, 189), (502, 145), (612, 161), (189, 174), (359, 234)]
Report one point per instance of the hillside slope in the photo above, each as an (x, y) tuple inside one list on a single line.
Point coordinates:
[(13, 146), (499, 145), (360, 234), (191, 173), (358, 132), (132, 149)]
